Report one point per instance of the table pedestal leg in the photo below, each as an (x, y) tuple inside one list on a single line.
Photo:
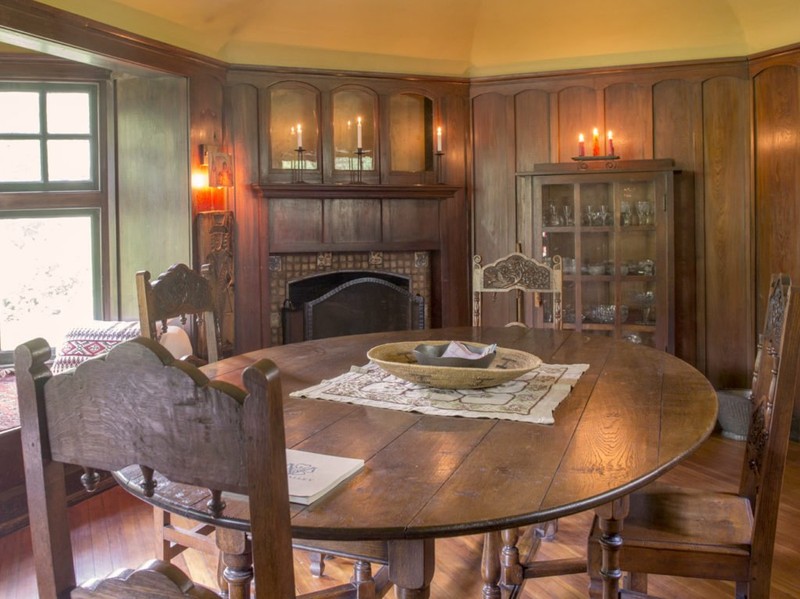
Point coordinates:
[(611, 517), (238, 559), (411, 565), (490, 565)]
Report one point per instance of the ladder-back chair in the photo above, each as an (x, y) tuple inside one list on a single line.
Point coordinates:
[(138, 405), (698, 533), (517, 272)]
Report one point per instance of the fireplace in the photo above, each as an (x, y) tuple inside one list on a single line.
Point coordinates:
[(349, 303), (337, 293)]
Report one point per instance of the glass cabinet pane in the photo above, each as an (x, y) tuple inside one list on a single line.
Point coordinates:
[(353, 128), (293, 123)]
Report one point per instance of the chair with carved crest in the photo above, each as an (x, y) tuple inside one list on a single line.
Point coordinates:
[(138, 407), (178, 293), (517, 272), (698, 533), (98, 414)]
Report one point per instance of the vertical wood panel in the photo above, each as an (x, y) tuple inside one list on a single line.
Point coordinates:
[(629, 114), (777, 153), (495, 202), (727, 232), (677, 130), (577, 113), (777, 149), (241, 110), (155, 220)]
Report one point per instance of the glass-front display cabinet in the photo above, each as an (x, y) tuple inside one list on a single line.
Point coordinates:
[(611, 223)]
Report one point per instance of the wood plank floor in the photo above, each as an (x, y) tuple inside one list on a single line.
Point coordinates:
[(113, 530)]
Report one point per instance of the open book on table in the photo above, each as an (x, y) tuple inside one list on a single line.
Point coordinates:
[(312, 475)]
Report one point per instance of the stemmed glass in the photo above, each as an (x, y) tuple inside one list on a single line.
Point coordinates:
[(643, 210)]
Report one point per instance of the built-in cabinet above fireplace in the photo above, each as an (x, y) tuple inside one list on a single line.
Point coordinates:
[(375, 174)]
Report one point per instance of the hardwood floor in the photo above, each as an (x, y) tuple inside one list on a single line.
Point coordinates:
[(114, 530)]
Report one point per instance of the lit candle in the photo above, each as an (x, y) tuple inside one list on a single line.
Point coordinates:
[(595, 142), (581, 146), (299, 135), (438, 139), (358, 132), (610, 138)]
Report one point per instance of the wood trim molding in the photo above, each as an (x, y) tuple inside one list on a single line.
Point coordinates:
[(42, 28), (355, 192)]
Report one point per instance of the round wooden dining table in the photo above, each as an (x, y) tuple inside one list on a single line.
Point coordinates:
[(635, 413)]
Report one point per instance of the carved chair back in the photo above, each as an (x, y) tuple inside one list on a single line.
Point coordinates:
[(178, 292), (776, 383), (138, 405), (520, 273)]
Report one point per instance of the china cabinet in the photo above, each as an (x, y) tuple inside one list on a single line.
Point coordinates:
[(611, 222)]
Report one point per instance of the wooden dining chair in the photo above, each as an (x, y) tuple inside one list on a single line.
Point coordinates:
[(179, 293), (138, 405), (697, 533), (521, 274)]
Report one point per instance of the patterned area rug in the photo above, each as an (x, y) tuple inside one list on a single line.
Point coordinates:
[(530, 398), (9, 414)]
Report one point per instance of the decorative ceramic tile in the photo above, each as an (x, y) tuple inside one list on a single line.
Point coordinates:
[(324, 259), (376, 258), (420, 259), (275, 263)]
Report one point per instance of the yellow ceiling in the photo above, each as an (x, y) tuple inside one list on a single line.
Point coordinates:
[(454, 37)]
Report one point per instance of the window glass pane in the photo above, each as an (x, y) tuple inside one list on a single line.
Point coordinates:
[(48, 281), (19, 112), (20, 161), (69, 160), (68, 113)]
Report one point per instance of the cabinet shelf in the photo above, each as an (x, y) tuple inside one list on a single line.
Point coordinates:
[(622, 220)]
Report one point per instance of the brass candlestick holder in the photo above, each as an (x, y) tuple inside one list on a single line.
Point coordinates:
[(357, 175), (439, 168)]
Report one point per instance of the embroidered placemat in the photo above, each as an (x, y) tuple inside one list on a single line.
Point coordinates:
[(530, 398)]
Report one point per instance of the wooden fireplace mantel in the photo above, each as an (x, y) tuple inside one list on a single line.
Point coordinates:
[(294, 218)]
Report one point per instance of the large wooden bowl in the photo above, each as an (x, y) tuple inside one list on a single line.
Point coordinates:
[(398, 359)]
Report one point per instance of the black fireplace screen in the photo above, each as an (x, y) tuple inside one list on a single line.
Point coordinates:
[(366, 304)]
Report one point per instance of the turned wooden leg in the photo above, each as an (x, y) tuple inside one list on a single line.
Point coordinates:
[(490, 565), (363, 581), (411, 565), (610, 519), (238, 559), (510, 568)]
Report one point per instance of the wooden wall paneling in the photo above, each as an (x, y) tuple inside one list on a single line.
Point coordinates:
[(777, 152), (452, 307), (206, 99), (154, 204), (294, 223), (351, 221), (251, 276), (776, 93), (729, 297), (629, 114), (577, 113), (495, 218), (411, 221), (677, 130), (532, 124)]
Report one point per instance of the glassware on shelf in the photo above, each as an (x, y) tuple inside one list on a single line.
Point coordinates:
[(645, 213), (568, 218), (554, 219), (625, 214)]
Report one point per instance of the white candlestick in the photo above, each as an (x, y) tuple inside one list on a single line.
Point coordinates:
[(358, 133), (299, 135), (438, 139)]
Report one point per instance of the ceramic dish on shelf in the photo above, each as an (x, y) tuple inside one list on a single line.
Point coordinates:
[(398, 359)]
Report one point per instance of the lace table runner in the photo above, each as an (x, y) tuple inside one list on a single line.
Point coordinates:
[(530, 398)]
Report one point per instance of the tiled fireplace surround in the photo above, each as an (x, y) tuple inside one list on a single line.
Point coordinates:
[(286, 268)]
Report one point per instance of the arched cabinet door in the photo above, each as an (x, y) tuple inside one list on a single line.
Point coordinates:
[(292, 132), (355, 135)]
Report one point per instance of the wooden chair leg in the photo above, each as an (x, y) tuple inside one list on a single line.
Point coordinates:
[(160, 520)]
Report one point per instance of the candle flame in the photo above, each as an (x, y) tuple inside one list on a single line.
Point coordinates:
[(610, 134), (580, 137)]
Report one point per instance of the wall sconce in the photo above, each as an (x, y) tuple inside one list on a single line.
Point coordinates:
[(219, 166)]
